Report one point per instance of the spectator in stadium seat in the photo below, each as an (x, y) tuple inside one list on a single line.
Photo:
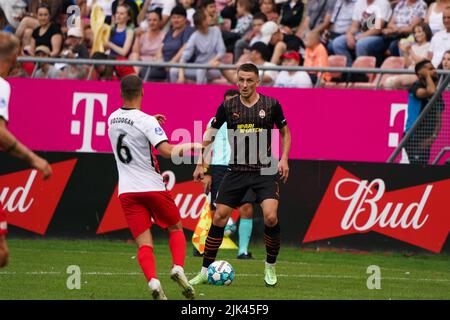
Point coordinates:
[(440, 42), (254, 35), (340, 22), (47, 34), (318, 17), (269, 8), (259, 56), (46, 70), (243, 25), (291, 14), (210, 8), (434, 15), (407, 14), (316, 55), (74, 48), (413, 52), (173, 44), (278, 41), (147, 46), (207, 45), (364, 38), (190, 10), (418, 147), (165, 7), (445, 64), (30, 21), (292, 79), (122, 35), (133, 10)]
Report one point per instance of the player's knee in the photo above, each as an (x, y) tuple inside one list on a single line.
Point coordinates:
[(220, 218), (246, 211), (271, 221), (4, 257), (175, 227)]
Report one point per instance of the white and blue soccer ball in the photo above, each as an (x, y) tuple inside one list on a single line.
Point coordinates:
[(220, 273), (230, 228)]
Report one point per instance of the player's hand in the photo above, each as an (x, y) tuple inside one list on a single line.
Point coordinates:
[(42, 165), (283, 170), (207, 183), (160, 118), (199, 173)]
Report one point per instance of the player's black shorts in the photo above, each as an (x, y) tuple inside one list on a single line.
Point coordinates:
[(236, 184), (217, 175)]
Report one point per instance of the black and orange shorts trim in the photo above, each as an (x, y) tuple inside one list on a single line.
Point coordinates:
[(236, 184)]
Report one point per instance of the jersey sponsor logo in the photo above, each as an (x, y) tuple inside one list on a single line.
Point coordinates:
[(159, 131), (262, 114), (30, 202), (416, 215)]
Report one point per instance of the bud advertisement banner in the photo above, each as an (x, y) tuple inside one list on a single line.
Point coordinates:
[(326, 124), (365, 206)]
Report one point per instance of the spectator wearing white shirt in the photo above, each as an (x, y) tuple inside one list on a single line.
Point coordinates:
[(434, 15), (292, 79), (364, 36), (441, 40)]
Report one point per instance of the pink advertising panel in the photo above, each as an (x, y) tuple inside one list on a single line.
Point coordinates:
[(326, 124)]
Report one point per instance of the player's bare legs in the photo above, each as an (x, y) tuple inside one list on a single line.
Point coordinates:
[(146, 260), (177, 244), (213, 241), (4, 252), (271, 239)]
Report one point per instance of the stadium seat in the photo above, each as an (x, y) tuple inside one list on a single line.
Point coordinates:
[(367, 62), (336, 61), (389, 63)]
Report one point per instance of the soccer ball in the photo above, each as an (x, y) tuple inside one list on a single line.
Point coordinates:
[(220, 273), (230, 228)]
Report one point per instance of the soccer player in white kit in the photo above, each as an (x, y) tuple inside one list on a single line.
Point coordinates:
[(9, 49), (142, 192)]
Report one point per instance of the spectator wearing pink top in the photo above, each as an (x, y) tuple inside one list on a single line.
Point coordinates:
[(146, 46)]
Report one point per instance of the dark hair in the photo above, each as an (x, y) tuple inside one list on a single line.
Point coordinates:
[(260, 16), (426, 28), (206, 3), (131, 87), (8, 44), (199, 17), (441, 65), (179, 10), (108, 72), (248, 67), (262, 48), (230, 93), (157, 12), (45, 6), (419, 65)]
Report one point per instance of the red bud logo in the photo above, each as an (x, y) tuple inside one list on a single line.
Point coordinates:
[(29, 201), (416, 215)]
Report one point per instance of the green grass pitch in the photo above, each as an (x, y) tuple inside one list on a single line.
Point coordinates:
[(109, 270)]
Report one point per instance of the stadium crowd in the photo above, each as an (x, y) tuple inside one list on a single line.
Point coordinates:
[(310, 33)]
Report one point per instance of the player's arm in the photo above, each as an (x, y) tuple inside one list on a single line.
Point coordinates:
[(280, 122), (11, 145), (168, 150), (208, 137)]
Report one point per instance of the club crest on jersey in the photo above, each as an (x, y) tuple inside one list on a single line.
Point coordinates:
[(159, 131), (262, 114)]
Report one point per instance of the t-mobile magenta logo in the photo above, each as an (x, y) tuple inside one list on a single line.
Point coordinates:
[(88, 126)]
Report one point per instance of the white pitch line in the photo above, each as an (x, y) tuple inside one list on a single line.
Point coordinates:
[(311, 276)]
